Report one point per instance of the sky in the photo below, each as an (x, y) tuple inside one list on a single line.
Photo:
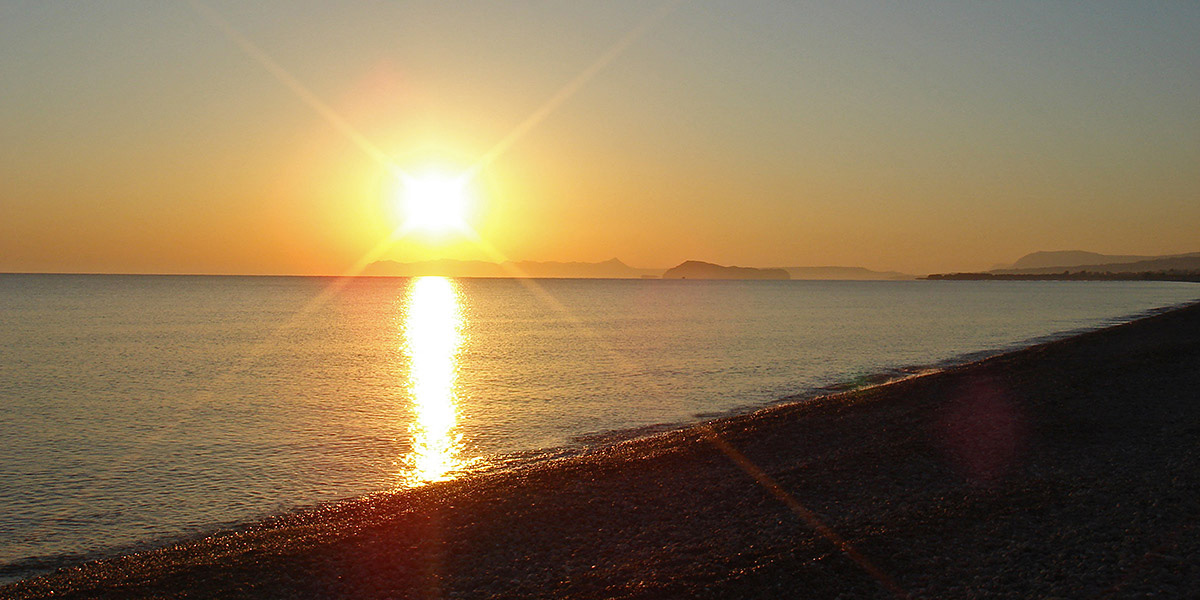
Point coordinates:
[(266, 137)]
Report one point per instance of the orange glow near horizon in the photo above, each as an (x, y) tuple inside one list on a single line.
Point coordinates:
[(433, 335), (275, 146)]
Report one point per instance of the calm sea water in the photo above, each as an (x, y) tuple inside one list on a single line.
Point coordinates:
[(135, 409)]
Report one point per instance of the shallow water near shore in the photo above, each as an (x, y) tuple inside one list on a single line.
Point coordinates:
[(139, 408)]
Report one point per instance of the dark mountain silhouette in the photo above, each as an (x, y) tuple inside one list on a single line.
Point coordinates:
[(694, 269)]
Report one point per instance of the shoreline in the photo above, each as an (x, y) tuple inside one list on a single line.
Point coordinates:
[(210, 565), (34, 565)]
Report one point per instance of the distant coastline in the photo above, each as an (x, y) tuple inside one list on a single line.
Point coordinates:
[(1067, 275)]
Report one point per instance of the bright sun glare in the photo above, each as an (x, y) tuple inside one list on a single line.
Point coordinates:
[(434, 202)]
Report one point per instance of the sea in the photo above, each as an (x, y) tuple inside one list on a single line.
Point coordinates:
[(140, 410)]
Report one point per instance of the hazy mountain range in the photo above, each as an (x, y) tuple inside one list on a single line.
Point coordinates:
[(1078, 260), (611, 269), (845, 273), (1030, 264)]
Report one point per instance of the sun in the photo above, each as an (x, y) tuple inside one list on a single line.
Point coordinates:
[(434, 202)]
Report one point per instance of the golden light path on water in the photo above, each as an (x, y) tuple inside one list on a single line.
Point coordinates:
[(433, 323)]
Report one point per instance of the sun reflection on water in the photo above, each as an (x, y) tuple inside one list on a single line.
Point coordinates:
[(433, 334)]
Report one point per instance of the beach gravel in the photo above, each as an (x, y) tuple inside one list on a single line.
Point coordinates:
[(1066, 470)]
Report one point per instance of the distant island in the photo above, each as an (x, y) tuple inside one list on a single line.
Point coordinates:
[(695, 269), (1077, 265)]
